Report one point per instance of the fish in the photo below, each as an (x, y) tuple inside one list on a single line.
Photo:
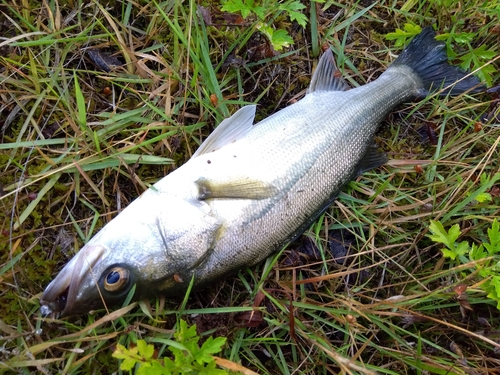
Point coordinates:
[(250, 188)]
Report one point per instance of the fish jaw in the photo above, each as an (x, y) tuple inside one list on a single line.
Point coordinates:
[(63, 291)]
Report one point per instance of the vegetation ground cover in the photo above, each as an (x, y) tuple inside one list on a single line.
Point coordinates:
[(100, 99)]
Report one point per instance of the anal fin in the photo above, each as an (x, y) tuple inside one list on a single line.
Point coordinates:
[(372, 159)]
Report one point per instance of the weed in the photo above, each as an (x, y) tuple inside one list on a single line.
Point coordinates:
[(188, 356), (401, 36), (264, 10), (485, 257)]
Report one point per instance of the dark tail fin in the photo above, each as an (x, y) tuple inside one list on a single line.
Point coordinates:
[(427, 58)]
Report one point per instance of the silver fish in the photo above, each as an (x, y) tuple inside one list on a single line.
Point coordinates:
[(249, 189)]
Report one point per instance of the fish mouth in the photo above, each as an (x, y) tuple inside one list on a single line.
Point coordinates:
[(61, 294)]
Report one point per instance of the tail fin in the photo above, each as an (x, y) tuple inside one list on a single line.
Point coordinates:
[(427, 58)]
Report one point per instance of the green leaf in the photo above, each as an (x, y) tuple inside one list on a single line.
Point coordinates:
[(475, 59), (211, 346), (463, 37), (477, 252), (153, 368), (483, 53), (281, 39), (234, 6), (268, 31), (494, 236), (210, 369), (260, 12), (299, 17), (244, 7), (461, 249), (293, 9), (493, 289), (189, 358), (483, 197), (184, 334), (440, 235), (290, 6), (278, 38), (145, 350), (129, 357), (169, 365), (400, 36)]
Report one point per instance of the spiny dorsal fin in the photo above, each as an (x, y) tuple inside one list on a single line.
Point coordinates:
[(243, 188), (327, 77), (229, 130)]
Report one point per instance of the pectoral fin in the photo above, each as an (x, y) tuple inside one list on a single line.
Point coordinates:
[(237, 189)]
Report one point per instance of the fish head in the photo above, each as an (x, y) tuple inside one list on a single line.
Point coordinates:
[(102, 273), (146, 246)]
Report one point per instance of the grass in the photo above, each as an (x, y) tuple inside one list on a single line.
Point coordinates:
[(79, 143)]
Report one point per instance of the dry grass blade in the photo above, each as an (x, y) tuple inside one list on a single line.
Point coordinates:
[(232, 366)]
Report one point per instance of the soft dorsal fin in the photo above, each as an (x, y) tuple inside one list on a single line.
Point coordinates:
[(327, 76), (229, 130)]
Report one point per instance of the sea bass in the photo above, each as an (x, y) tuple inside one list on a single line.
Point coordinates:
[(249, 189)]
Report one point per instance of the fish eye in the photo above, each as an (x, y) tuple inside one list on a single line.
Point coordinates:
[(116, 278)]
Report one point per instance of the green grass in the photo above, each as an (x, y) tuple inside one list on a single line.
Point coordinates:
[(78, 144)]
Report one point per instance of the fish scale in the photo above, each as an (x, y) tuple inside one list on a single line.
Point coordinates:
[(249, 189)]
